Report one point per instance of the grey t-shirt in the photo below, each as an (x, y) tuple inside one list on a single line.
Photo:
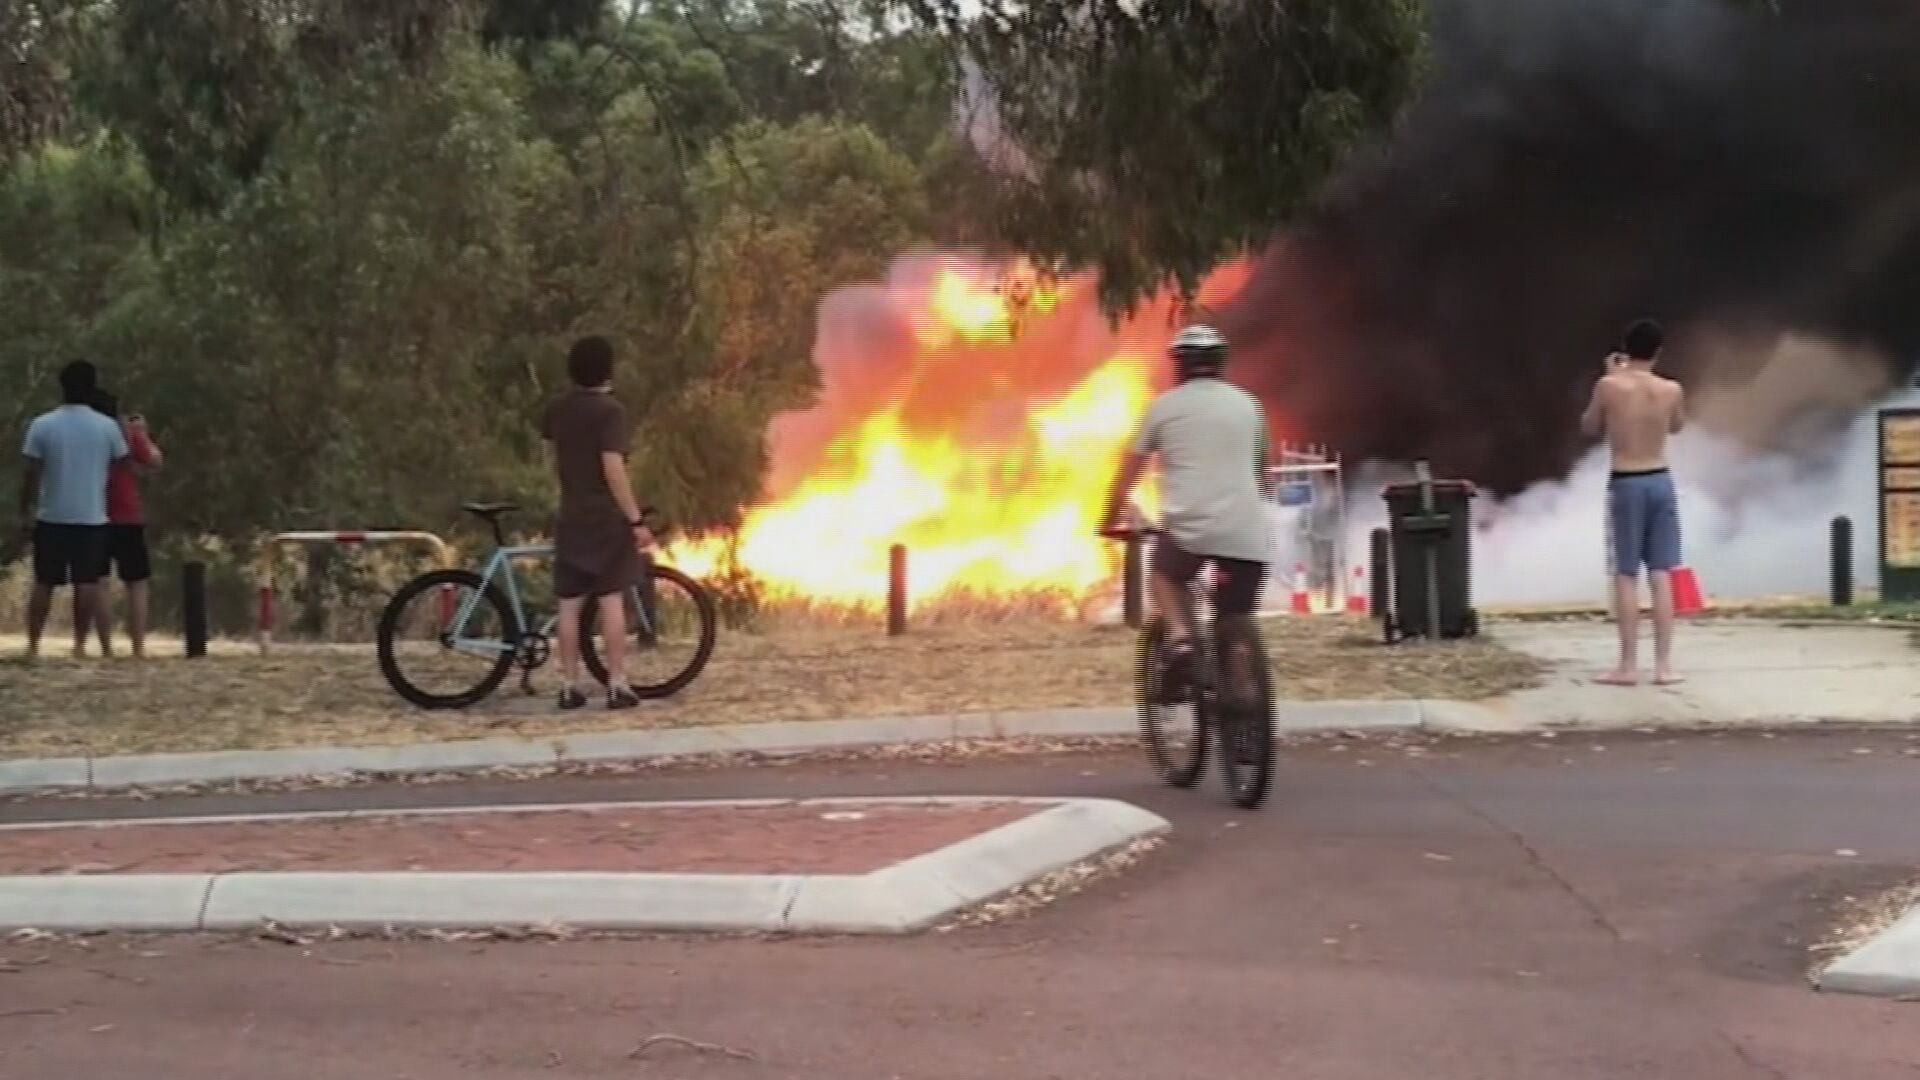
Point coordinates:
[(1207, 438)]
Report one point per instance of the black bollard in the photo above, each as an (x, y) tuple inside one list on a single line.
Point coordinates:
[(1380, 558), (1841, 562), (897, 590), (1133, 587), (193, 608)]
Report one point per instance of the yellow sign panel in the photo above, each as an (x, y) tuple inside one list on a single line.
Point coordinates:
[(1903, 529), (1901, 435), (1901, 478)]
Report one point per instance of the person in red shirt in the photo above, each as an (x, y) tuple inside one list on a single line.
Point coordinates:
[(126, 527)]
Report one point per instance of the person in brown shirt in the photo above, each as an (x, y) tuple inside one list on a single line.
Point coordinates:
[(600, 539)]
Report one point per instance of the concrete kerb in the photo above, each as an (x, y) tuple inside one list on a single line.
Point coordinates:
[(1886, 966), (776, 738), (1523, 712), (903, 898)]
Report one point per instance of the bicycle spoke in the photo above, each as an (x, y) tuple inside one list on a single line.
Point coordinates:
[(669, 635), (446, 639)]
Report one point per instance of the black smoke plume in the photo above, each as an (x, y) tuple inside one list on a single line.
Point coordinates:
[(1573, 165)]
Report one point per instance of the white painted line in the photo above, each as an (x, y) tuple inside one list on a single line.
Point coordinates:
[(535, 808)]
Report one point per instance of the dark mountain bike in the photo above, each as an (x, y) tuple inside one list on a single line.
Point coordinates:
[(1183, 713), (449, 638)]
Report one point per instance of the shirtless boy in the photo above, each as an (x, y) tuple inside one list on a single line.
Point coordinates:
[(1636, 410)]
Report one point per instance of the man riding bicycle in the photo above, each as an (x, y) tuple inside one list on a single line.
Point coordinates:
[(1209, 444)]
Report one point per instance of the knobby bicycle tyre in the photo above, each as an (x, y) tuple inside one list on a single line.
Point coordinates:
[(1247, 736), (1176, 769), (489, 681), (703, 607)]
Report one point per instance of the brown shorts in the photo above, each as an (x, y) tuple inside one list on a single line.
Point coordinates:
[(595, 561)]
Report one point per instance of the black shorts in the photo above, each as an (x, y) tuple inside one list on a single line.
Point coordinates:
[(127, 553), (68, 554), (1236, 589)]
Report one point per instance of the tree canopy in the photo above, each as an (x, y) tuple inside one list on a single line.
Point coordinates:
[(335, 248)]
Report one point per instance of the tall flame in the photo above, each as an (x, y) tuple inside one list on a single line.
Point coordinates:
[(974, 413)]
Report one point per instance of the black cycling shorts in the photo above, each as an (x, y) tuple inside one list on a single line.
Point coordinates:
[(1236, 587)]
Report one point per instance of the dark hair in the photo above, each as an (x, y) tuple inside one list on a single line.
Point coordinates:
[(1642, 340), (105, 404), (78, 381), (590, 362)]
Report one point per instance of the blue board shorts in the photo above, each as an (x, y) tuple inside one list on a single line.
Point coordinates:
[(1643, 522)]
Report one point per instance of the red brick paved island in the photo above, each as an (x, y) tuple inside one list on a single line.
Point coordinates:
[(812, 838)]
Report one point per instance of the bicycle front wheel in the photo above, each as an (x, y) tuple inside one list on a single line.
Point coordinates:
[(1173, 724), (446, 640), (671, 625), (1247, 731)]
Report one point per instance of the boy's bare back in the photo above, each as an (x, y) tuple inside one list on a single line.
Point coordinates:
[(1637, 410)]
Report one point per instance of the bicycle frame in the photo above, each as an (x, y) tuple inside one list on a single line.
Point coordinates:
[(500, 565)]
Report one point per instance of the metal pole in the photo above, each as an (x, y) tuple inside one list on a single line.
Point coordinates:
[(1424, 473), (897, 590), (193, 608), (1133, 599), (1380, 552), (1841, 564)]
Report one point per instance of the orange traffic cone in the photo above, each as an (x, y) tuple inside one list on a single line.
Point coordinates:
[(1357, 592), (1299, 604), (1687, 598)]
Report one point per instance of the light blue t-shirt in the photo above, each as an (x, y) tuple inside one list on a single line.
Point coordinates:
[(74, 445)]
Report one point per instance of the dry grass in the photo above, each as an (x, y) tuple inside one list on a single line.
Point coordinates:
[(334, 694)]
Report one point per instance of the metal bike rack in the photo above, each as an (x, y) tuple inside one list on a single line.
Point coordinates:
[(263, 574)]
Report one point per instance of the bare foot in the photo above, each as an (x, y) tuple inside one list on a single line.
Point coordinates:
[(1618, 677), (1668, 678)]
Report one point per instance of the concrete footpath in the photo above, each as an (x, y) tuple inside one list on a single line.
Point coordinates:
[(1739, 673)]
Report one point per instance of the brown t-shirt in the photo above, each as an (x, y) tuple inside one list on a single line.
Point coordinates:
[(592, 537)]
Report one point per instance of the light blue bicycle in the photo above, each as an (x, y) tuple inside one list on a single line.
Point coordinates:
[(448, 638)]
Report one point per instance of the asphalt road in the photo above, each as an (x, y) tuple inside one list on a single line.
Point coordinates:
[(1573, 909)]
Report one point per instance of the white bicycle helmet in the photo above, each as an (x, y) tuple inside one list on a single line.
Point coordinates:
[(1199, 350)]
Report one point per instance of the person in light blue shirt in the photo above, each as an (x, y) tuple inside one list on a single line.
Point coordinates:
[(64, 501)]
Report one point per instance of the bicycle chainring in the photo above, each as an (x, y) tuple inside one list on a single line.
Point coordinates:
[(533, 651)]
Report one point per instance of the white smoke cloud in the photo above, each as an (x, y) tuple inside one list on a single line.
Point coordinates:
[(1754, 522)]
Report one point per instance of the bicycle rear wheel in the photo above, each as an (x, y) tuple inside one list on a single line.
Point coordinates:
[(446, 640), (1247, 734), (671, 628), (1173, 724)]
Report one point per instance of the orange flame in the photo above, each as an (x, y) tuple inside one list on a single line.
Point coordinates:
[(994, 404)]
